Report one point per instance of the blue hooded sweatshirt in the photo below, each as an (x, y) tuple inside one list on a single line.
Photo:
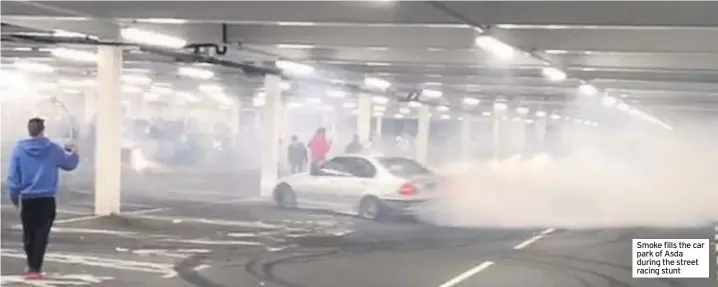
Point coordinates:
[(34, 167)]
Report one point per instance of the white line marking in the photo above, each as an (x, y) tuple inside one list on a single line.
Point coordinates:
[(144, 211), (77, 219), (91, 217), (487, 264), (256, 224), (214, 242), (85, 230), (532, 240), (201, 267), (467, 274)]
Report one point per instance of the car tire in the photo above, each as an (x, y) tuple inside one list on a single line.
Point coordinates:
[(285, 197), (371, 208)]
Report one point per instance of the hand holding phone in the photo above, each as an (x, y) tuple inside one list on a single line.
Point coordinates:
[(71, 148)]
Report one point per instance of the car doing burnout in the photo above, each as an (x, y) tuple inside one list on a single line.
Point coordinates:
[(370, 186)]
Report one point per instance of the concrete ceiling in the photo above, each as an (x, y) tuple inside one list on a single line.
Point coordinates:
[(662, 56)]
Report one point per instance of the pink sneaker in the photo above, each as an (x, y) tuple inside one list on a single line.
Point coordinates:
[(34, 276)]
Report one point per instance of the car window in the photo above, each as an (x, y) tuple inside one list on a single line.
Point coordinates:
[(403, 167), (337, 164), (360, 167)]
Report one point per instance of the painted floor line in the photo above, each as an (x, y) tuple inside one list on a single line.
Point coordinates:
[(533, 239), (91, 217), (473, 271), (467, 274)]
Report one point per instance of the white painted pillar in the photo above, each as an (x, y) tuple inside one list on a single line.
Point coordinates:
[(234, 122), (378, 140), (109, 131), (364, 118), (271, 130), (518, 135), (540, 127), (465, 137), (422, 135), (496, 133)]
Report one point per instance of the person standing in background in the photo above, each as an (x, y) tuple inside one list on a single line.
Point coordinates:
[(355, 146), (319, 147), (297, 155), (33, 184)]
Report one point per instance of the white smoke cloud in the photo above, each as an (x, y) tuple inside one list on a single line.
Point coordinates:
[(637, 176)]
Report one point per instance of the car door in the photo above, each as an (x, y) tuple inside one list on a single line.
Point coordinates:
[(347, 191), (318, 191)]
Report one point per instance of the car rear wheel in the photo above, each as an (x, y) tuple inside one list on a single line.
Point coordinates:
[(371, 208), (285, 197)]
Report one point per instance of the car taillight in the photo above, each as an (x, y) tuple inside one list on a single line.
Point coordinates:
[(408, 189)]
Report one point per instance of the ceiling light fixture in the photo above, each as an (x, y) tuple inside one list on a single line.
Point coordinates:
[(74, 55), (162, 21), (136, 79), (379, 109), (432, 94), (377, 83), (522, 110), (554, 74), (349, 105), (188, 96), (210, 88), (623, 107), (587, 89), (404, 110), (294, 67), (131, 89), (540, 114), (469, 101), (399, 116), (32, 67), (153, 39), (336, 93), (609, 101), (285, 86), (294, 46), (442, 108), (414, 104), (555, 116), (380, 100), (486, 114), (314, 101), (445, 117), (500, 106), (496, 47), (196, 73)]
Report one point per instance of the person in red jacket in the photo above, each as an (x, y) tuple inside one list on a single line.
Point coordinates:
[(319, 147)]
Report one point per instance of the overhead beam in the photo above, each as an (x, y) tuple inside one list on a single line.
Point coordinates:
[(622, 13), (193, 33), (702, 40)]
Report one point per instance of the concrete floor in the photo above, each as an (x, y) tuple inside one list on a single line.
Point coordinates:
[(247, 243)]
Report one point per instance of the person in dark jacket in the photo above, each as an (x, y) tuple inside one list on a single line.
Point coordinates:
[(297, 155), (354, 146), (33, 184)]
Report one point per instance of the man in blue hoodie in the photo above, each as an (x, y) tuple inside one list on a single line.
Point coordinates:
[(32, 183)]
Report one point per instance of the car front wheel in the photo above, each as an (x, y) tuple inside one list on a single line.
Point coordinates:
[(285, 197)]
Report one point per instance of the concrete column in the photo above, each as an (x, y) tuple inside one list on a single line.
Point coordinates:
[(496, 134), (540, 128), (518, 137), (234, 122), (465, 137), (379, 121), (364, 118), (108, 131), (271, 130), (422, 135)]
